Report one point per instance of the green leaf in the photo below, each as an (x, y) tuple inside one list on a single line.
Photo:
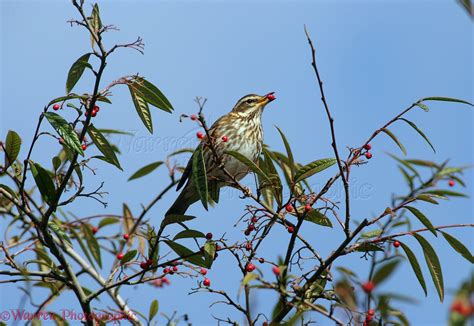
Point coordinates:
[(56, 163), (291, 160), (103, 145), (152, 94), (209, 253), (107, 221), (65, 131), (9, 190), (315, 216), (426, 198), (419, 132), (44, 182), (147, 169), (433, 265), (423, 219), (444, 193), (142, 108), (92, 243), (172, 219), (66, 98), (395, 139), (95, 19), (251, 165), (60, 233), (313, 168), (248, 277), (384, 271), (371, 234), (76, 71), (128, 257), (445, 99), (189, 234), (153, 310), (186, 254), (458, 246), (199, 175), (415, 266), (79, 238), (367, 246), (423, 106), (12, 148)]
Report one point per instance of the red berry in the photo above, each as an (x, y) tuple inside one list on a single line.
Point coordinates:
[(451, 183), (225, 139), (84, 147), (254, 219), (94, 113), (149, 262), (120, 256), (289, 208), (368, 318), (250, 267), (175, 268), (371, 312), (265, 323), (126, 236), (291, 229), (248, 246), (56, 107), (308, 207), (276, 270), (95, 229), (194, 117), (203, 271), (270, 96), (251, 227), (209, 236), (368, 155), (199, 135), (368, 147), (165, 280), (206, 282), (143, 265), (95, 108), (396, 244), (166, 270), (368, 286)]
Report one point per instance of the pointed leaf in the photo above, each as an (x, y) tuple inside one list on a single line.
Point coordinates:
[(65, 131), (291, 160), (153, 310), (371, 234), (423, 106), (251, 165), (395, 139), (44, 182), (209, 253), (60, 233), (12, 148), (199, 175), (189, 234), (128, 257), (172, 219), (142, 108), (103, 145), (446, 99), (423, 219), (147, 169), (93, 245), (313, 168), (76, 71), (458, 246), (384, 271), (415, 266), (315, 216), (152, 94), (186, 254), (433, 265), (419, 132)]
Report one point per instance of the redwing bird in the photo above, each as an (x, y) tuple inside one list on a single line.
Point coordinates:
[(241, 131)]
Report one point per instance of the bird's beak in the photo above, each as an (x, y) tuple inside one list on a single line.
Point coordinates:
[(267, 98)]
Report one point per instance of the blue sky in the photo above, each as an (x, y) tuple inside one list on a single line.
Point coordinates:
[(376, 58)]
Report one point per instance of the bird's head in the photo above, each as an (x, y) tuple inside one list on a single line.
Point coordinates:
[(252, 103)]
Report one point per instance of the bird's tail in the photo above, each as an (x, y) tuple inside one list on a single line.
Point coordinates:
[(186, 198)]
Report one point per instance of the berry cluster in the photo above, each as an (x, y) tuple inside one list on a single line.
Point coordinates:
[(94, 112)]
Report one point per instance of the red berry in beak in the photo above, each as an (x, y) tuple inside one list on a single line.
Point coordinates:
[(271, 97)]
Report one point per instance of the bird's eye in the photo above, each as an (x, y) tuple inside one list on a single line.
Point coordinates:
[(249, 101)]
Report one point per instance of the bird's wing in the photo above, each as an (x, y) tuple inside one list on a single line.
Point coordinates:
[(186, 174)]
